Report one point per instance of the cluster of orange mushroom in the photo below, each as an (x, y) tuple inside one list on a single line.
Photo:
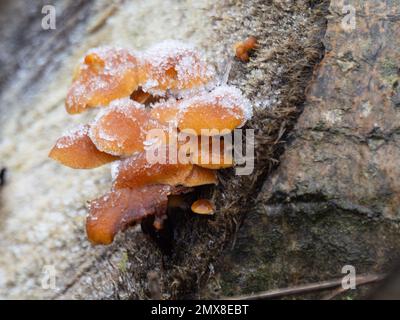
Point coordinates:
[(169, 86)]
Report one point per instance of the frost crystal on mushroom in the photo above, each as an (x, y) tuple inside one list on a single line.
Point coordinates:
[(175, 66), (167, 87)]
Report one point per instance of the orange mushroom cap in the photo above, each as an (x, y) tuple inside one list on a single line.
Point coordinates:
[(175, 66), (242, 48), (105, 74), (136, 171), (76, 150), (119, 209), (121, 128), (203, 206), (220, 110)]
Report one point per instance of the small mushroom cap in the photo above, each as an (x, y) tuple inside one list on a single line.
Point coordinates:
[(121, 129), (214, 113), (104, 74), (203, 206), (76, 150), (242, 48)]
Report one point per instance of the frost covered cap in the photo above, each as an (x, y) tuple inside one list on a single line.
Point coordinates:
[(103, 75), (106, 74), (75, 149), (175, 66), (120, 129), (224, 108)]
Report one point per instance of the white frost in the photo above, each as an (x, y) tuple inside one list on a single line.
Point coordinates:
[(71, 136)]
